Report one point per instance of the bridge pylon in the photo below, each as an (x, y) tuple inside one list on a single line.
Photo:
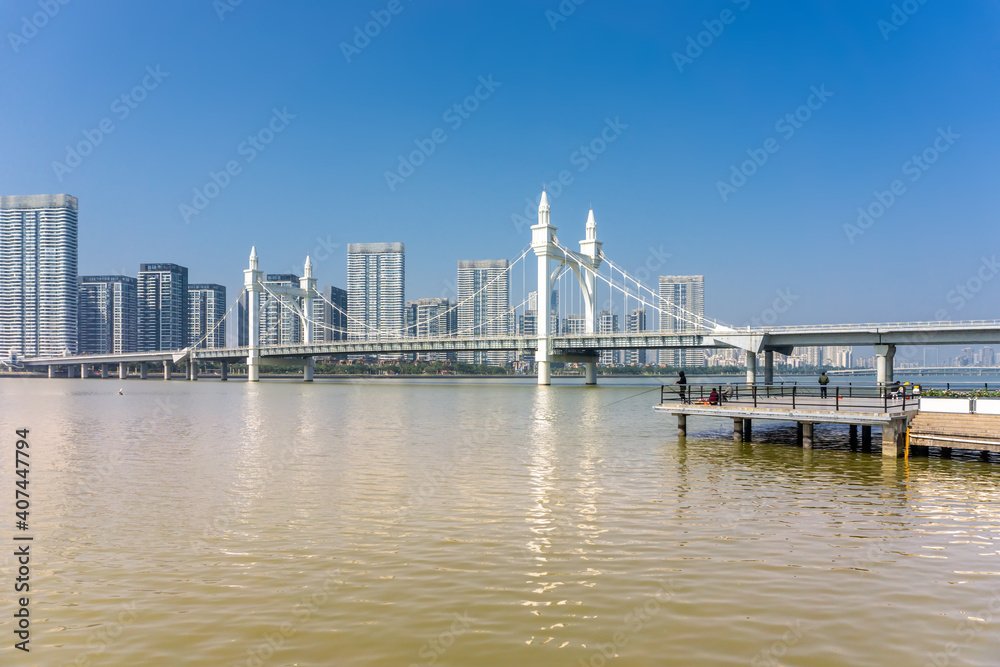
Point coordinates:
[(584, 265), (252, 282)]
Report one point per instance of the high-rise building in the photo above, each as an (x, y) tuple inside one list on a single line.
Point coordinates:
[(608, 323), (163, 295), (280, 315), (242, 320), (108, 313), (682, 299), (432, 318), (330, 321), (484, 306), (636, 324), (206, 315), (988, 356), (574, 324), (38, 275), (376, 283)]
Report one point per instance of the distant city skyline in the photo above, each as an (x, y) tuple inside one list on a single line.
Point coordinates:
[(288, 145)]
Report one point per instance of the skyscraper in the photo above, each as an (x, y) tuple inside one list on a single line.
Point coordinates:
[(206, 312), (330, 321), (608, 323), (280, 319), (242, 320), (636, 324), (682, 299), (163, 295), (376, 282), (483, 305), (108, 315), (38, 275), (432, 318)]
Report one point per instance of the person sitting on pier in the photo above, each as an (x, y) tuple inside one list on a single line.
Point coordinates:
[(713, 398), (682, 381), (727, 393)]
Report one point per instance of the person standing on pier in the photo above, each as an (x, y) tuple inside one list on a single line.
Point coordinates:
[(682, 381), (823, 381)]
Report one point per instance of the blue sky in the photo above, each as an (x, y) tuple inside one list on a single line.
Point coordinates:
[(682, 114)]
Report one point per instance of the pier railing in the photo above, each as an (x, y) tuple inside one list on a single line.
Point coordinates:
[(835, 398)]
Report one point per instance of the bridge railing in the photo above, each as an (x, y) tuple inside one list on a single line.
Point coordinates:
[(836, 398)]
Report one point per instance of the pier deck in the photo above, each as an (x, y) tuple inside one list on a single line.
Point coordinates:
[(860, 406)]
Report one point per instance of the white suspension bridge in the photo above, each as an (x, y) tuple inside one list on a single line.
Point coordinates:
[(578, 277)]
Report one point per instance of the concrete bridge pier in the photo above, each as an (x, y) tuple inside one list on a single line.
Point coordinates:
[(122, 370), (144, 370), (768, 367), (307, 369), (71, 371), (224, 371), (894, 438), (544, 373), (884, 355), (192, 370), (104, 371), (84, 371), (166, 370), (751, 367), (590, 368), (52, 371), (737, 429), (807, 434), (682, 426)]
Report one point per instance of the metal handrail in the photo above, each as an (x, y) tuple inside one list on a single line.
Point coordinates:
[(837, 398)]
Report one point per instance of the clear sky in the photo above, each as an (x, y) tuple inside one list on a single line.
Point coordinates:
[(686, 90)]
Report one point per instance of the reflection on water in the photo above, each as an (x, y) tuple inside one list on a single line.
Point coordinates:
[(486, 523)]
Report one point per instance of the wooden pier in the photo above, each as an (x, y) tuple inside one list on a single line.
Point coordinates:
[(862, 407)]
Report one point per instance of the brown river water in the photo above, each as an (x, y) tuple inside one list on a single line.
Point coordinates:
[(478, 522)]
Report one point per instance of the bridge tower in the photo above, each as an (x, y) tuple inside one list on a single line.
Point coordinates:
[(308, 286), (543, 237), (590, 261), (584, 266), (251, 281)]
